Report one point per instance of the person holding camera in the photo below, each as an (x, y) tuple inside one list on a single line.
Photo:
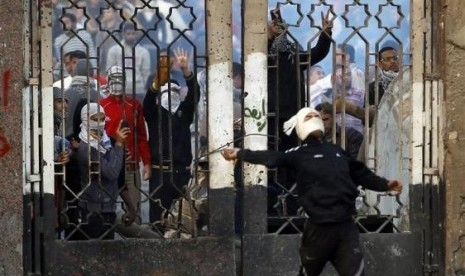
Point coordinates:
[(100, 164)]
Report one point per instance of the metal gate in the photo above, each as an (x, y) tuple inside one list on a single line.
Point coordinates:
[(246, 222)]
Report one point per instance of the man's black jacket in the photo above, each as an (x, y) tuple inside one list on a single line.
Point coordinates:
[(286, 80), (169, 134), (326, 178)]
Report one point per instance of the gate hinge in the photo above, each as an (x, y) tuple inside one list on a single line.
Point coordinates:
[(430, 171), (33, 178), (430, 268), (432, 77), (34, 81)]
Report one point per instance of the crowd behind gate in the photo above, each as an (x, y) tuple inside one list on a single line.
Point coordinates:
[(130, 114)]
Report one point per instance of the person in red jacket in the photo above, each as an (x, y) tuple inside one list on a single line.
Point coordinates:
[(118, 106)]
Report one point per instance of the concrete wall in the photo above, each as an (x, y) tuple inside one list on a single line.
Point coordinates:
[(454, 77), (11, 184)]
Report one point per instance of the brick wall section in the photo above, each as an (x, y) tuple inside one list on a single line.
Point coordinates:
[(11, 185)]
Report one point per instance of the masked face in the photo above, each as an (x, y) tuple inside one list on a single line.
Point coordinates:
[(93, 118), (308, 121), (175, 100), (116, 80), (116, 86), (96, 123)]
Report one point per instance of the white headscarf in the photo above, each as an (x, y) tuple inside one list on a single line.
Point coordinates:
[(303, 128), (97, 138), (175, 94)]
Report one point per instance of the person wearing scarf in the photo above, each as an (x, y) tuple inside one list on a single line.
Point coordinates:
[(388, 65), (327, 189), (286, 79), (100, 165), (169, 113), (82, 89), (287, 62)]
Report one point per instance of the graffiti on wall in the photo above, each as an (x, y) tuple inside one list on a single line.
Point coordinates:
[(257, 115), (5, 145)]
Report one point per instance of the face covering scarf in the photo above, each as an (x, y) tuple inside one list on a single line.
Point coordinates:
[(97, 137), (387, 77), (174, 92)]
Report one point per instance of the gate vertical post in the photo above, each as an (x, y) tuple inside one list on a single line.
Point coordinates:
[(418, 36), (255, 127), (48, 210), (426, 202), (220, 116)]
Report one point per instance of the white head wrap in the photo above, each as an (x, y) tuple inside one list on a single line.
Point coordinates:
[(115, 80), (102, 143), (303, 128), (174, 96)]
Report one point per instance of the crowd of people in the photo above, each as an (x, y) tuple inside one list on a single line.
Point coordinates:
[(126, 99)]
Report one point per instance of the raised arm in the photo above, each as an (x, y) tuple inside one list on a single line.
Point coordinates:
[(321, 49), (160, 77)]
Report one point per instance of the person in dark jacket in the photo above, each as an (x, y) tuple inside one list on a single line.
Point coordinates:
[(100, 164), (327, 179), (286, 78), (168, 120), (286, 94)]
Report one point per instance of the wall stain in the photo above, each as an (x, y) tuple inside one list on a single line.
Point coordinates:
[(6, 88), (5, 145)]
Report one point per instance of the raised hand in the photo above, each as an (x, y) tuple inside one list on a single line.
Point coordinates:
[(326, 22), (121, 134), (183, 60)]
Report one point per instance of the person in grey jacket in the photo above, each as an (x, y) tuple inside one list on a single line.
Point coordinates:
[(100, 165), (327, 180)]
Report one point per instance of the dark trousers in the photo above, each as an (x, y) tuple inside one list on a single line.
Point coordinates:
[(163, 190), (337, 243), (97, 225)]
